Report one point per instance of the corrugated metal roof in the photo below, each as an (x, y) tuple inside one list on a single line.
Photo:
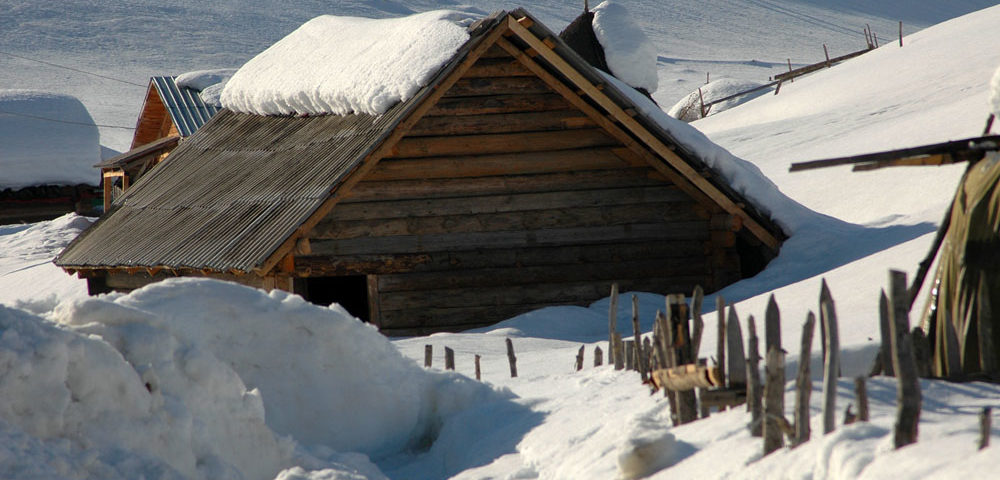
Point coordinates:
[(230, 195), (185, 105)]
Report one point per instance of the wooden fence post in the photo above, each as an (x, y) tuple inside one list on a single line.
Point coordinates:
[(449, 359), (617, 351), (921, 352), (629, 349), (827, 53), (861, 395), (598, 356), (613, 325), (774, 399), (511, 358), (803, 383), (908, 389), (985, 425), (638, 339), (579, 358), (677, 321), (754, 387), (883, 325), (479, 372), (734, 346), (428, 355), (772, 325), (900, 33), (831, 364), (697, 298), (720, 348)]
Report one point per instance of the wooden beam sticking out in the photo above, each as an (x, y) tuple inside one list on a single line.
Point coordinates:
[(641, 132), (687, 377)]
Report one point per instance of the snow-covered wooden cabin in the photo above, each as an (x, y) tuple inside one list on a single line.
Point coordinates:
[(514, 175), (169, 113), (48, 143)]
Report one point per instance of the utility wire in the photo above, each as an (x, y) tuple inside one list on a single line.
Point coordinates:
[(63, 121), (73, 69)]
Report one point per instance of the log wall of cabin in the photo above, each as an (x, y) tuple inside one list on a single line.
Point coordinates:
[(504, 198)]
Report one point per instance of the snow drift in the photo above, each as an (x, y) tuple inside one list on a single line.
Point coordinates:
[(197, 378), (340, 65), (629, 53), (46, 139)]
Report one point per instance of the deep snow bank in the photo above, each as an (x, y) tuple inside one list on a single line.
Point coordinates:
[(629, 53), (46, 139), (197, 378), (340, 65)]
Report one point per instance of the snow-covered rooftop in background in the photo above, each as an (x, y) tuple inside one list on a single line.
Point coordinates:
[(340, 65), (629, 53), (46, 139), (209, 82)]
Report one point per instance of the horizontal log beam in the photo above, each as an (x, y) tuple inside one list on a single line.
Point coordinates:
[(687, 377), (501, 123), (351, 210), (332, 265), (498, 104), (506, 66), (507, 221), (469, 87), (503, 164), (504, 184), (486, 240), (415, 147)]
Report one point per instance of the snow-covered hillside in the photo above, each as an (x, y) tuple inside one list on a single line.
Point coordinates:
[(237, 383)]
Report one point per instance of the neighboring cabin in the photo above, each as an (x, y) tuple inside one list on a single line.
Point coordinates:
[(517, 177), (169, 113)]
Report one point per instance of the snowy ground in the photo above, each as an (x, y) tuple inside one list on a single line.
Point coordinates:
[(128, 385)]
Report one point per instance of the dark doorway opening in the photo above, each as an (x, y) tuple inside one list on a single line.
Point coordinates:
[(351, 292)]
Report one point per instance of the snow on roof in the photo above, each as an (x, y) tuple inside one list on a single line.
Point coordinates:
[(743, 176), (209, 82), (995, 93), (627, 50), (46, 139), (340, 65)]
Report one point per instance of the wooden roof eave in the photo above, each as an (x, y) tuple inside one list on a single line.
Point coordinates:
[(544, 50), (430, 95)]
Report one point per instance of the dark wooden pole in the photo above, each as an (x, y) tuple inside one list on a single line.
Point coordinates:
[(428, 355), (697, 298), (479, 372), (774, 400), (618, 351), (803, 383), (754, 388), (985, 425), (579, 358), (884, 331), (828, 317), (900, 33), (735, 355), (511, 359), (772, 326), (598, 356), (908, 396), (861, 396), (613, 324), (449, 359), (720, 347), (638, 339)]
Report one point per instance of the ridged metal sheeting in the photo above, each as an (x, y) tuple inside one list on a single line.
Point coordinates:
[(185, 105)]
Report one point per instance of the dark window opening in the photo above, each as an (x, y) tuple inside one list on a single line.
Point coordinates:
[(351, 292)]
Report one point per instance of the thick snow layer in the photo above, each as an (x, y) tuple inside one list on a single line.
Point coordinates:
[(202, 79), (46, 139), (995, 93), (629, 53), (340, 65), (688, 109), (28, 278)]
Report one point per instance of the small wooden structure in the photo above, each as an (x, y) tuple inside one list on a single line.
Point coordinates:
[(517, 178), (169, 113)]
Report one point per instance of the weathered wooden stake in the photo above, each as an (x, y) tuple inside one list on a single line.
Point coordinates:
[(613, 325), (803, 383), (638, 339), (908, 396), (677, 321), (697, 298), (479, 372), (630, 355), (886, 335), (579, 358), (861, 397), (774, 400), (598, 356), (720, 346), (921, 352), (449, 359), (511, 359), (827, 53), (702, 100), (755, 392), (900, 33), (985, 425), (428, 355), (828, 317), (772, 326), (617, 351), (734, 346), (647, 354)]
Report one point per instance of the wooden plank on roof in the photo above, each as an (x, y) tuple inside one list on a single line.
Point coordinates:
[(520, 142), (536, 102), (501, 123), (641, 132), (486, 165)]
